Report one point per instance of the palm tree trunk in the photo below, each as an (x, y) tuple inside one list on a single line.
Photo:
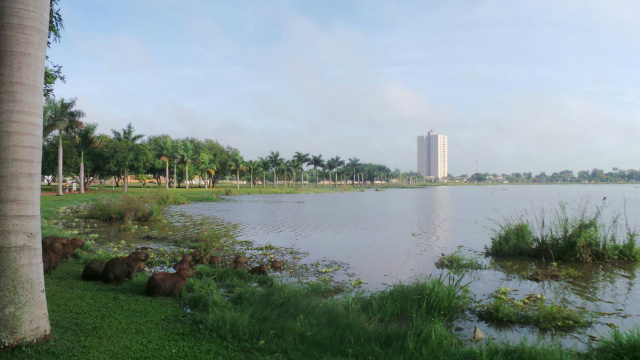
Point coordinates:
[(82, 172), (175, 177), (275, 179), (126, 188), (167, 172), (316, 178), (23, 304), (264, 180), (60, 165), (186, 175), (238, 179), (301, 177)]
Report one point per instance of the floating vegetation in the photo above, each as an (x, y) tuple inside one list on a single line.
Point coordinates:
[(533, 309), (456, 261), (585, 238), (553, 272), (146, 207)]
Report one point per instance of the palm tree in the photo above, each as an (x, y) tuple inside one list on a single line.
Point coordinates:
[(187, 153), (164, 150), (23, 29), (294, 166), (276, 162), (61, 116), (339, 163), (206, 166), (331, 165), (86, 139), (265, 165), (175, 153), (302, 159), (251, 166), (316, 162), (129, 140), (237, 163), (353, 163)]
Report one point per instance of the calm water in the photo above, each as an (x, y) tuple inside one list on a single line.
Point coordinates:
[(397, 235)]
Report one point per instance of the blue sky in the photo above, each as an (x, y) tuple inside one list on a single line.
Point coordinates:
[(515, 85)]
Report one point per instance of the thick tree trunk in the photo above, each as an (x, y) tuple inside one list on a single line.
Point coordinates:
[(23, 42), (186, 176), (125, 180), (167, 171), (175, 177)]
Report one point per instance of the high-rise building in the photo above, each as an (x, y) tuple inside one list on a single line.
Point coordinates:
[(432, 155)]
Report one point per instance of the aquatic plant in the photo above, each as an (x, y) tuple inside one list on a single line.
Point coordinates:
[(533, 309), (128, 207), (585, 238), (456, 262)]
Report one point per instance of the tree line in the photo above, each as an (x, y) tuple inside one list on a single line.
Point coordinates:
[(73, 148)]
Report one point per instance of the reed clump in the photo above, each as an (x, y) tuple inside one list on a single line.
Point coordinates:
[(458, 262), (130, 207), (584, 238)]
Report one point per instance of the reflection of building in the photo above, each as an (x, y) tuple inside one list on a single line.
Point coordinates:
[(432, 155)]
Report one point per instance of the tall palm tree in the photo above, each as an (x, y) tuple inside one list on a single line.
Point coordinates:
[(316, 162), (237, 163), (252, 165), (295, 164), (302, 159), (129, 140), (164, 150), (353, 163), (86, 139), (339, 163), (265, 165), (175, 154), (61, 116), (187, 154), (330, 165), (206, 166), (23, 304), (276, 163)]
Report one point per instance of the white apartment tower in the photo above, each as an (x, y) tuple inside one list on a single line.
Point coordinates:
[(432, 155)]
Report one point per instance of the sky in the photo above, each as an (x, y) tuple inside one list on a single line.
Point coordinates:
[(517, 86)]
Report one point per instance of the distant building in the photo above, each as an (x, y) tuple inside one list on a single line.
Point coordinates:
[(432, 155)]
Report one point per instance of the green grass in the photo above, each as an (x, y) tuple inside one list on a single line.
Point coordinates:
[(583, 238), (619, 345)]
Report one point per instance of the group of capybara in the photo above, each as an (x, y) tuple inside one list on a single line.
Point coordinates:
[(114, 271)]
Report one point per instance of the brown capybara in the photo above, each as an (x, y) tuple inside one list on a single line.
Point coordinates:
[(239, 262), (58, 239), (168, 284), (277, 265), (197, 257), (70, 247), (93, 271), (120, 268), (184, 262), (51, 253), (216, 259), (259, 270)]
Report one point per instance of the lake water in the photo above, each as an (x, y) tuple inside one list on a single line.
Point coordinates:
[(397, 235)]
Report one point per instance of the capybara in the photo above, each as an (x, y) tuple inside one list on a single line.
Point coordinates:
[(70, 247), (51, 253), (259, 270), (120, 268), (93, 271), (58, 239), (197, 257), (184, 262), (239, 261), (216, 259), (168, 284), (277, 265)]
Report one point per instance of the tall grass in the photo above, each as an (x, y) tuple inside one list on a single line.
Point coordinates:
[(307, 322), (619, 345), (130, 207), (584, 238)]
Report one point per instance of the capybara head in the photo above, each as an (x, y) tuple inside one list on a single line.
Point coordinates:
[(139, 255), (70, 246), (186, 272), (184, 262)]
